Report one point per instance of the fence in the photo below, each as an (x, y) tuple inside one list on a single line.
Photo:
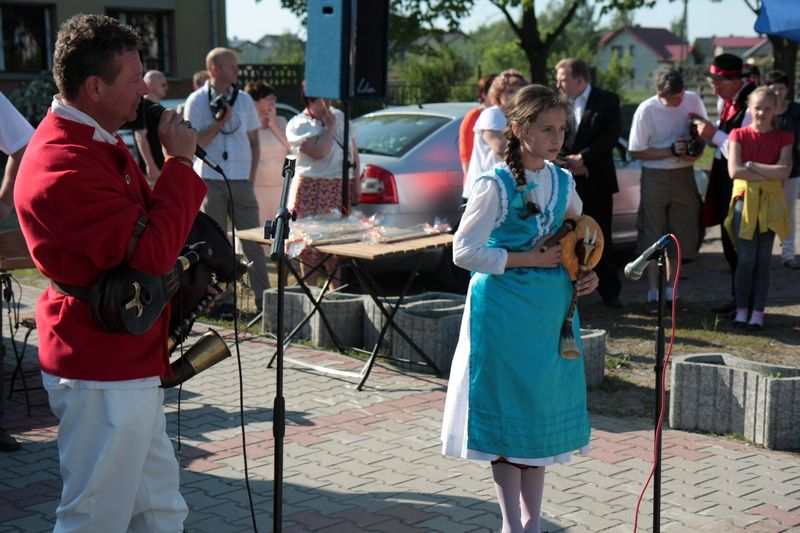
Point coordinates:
[(288, 79)]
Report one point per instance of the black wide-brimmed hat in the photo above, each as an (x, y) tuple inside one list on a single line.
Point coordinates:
[(726, 67)]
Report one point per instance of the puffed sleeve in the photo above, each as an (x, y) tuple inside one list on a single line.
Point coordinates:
[(470, 250)]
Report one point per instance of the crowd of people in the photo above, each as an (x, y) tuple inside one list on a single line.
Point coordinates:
[(532, 156)]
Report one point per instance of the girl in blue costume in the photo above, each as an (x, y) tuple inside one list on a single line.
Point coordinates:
[(512, 399)]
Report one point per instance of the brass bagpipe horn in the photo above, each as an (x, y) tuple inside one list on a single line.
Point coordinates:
[(209, 350), (219, 266)]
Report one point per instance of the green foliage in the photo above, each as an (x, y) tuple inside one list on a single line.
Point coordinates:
[(288, 50), (616, 74), (436, 69), (33, 99)]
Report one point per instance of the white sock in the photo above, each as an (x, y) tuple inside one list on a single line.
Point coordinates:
[(652, 295), (532, 489), (507, 481), (668, 293), (741, 314)]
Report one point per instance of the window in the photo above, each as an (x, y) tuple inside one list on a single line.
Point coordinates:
[(26, 34), (155, 30), (619, 50), (394, 134), (631, 49)]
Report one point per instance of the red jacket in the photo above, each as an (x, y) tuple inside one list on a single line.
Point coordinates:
[(77, 200)]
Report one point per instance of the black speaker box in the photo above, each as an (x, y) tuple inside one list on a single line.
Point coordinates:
[(347, 49)]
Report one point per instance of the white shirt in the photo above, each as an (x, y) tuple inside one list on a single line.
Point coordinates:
[(656, 125), (232, 140), (15, 131), (483, 157), (487, 208), (580, 105), (302, 127)]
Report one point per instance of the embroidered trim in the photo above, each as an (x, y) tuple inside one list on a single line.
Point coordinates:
[(503, 195)]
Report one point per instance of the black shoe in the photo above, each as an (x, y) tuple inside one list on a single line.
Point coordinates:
[(614, 302), (8, 443), (739, 325), (755, 327), (724, 308)]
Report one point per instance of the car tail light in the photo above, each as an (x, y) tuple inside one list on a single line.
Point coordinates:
[(378, 186)]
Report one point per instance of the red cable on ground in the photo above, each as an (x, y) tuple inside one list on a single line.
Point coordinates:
[(663, 384)]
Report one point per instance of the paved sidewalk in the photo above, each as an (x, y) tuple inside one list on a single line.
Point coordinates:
[(370, 461)]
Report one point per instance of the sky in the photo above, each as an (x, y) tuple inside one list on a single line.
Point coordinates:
[(250, 20)]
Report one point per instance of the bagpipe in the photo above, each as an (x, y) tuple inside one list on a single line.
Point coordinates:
[(582, 244), (126, 300)]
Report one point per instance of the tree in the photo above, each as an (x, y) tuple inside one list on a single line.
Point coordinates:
[(407, 17), (437, 70)]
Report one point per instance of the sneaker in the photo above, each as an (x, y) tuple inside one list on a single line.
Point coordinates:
[(651, 307), (8, 443), (792, 264)]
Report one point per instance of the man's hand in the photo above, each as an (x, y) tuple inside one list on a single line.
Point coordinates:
[(705, 128), (575, 164), (177, 136)]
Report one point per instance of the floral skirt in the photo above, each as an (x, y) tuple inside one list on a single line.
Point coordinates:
[(316, 196)]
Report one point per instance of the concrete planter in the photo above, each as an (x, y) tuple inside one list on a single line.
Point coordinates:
[(434, 326), (296, 307), (594, 355), (344, 313), (721, 393), (374, 319)]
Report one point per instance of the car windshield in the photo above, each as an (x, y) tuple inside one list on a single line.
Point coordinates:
[(394, 135)]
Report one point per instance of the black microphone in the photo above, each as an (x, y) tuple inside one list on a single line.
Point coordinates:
[(152, 116), (634, 269)]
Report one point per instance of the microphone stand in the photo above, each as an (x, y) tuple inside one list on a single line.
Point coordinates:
[(278, 231), (659, 370)]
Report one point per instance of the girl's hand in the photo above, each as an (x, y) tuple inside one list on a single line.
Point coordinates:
[(549, 258), (587, 283)]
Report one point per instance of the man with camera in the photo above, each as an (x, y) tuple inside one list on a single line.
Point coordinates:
[(227, 125), (664, 138)]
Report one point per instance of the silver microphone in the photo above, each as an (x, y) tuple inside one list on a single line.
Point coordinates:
[(635, 269)]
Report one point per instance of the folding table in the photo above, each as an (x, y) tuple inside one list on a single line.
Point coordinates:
[(358, 255)]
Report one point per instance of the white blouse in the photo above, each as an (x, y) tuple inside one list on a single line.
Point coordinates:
[(487, 208)]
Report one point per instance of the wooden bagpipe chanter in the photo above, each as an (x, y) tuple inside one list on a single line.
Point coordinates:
[(125, 300)]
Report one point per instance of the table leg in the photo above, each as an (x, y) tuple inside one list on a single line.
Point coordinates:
[(317, 307), (369, 284)]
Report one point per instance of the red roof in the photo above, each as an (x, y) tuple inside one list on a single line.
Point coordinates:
[(738, 42), (664, 44)]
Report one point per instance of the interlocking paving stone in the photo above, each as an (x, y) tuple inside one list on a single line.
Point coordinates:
[(371, 461)]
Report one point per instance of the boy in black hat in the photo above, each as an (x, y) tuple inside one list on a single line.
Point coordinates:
[(729, 83)]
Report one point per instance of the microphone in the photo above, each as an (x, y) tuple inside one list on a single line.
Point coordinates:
[(152, 115), (635, 269)]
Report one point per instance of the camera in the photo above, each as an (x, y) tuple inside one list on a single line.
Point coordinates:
[(219, 106), (695, 144)]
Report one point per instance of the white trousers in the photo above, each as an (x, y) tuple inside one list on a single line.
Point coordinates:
[(117, 464), (790, 188)]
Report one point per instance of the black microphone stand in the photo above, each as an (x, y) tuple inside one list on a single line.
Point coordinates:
[(659, 369), (278, 231)]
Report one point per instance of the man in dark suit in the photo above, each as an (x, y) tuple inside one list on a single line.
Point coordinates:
[(587, 153)]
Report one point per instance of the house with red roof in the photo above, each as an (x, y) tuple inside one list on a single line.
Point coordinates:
[(650, 50)]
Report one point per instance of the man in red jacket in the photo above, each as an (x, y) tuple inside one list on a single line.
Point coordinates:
[(80, 196)]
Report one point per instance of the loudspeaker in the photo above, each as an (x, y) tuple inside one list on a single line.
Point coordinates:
[(346, 49)]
